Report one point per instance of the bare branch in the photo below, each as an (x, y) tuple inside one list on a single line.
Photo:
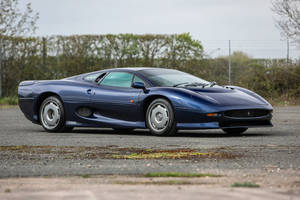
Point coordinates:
[(288, 17), (14, 22)]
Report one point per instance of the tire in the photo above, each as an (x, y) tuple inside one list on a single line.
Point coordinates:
[(234, 131), (160, 118), (52, 115)]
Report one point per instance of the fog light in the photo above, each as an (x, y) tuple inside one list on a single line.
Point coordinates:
[(212, 114)]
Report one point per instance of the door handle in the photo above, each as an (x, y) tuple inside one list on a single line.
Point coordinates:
[(89, 91)]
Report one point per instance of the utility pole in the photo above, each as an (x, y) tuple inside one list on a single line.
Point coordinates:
[(287, 65), (229, 64), (1, 67), (287, 52), (57, 53), (44, 53)]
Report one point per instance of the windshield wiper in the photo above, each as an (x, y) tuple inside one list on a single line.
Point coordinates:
[(197, 84), (191, 84), (180, 84), (211, 84)]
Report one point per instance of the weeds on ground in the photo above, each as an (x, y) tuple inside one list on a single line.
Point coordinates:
[(179, 174), (164, 155), (164, 182), (9, 101), (7, 190), (245, 184), (86, 176)]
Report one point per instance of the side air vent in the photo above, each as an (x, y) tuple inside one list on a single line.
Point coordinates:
[(84, 112)]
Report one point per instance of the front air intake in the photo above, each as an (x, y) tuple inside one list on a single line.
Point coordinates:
[(256, 123), (246, 113)]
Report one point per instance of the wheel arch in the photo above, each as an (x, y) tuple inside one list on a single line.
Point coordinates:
[(149, 99), (168, 130), (41, 98)]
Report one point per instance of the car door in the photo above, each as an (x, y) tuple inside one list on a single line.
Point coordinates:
[(115, 98)]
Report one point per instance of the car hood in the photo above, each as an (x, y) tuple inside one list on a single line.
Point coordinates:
[(227, 96)]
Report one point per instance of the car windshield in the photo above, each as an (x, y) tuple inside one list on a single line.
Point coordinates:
[(172, 78)]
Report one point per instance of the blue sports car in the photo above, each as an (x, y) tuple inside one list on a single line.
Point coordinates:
[(162, 100)]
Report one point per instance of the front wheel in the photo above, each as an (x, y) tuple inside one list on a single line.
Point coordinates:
[(234, 131), (52, 116), (160, 118)]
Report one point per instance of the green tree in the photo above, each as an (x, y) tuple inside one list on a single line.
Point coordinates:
[(181, 48), (14, 22)]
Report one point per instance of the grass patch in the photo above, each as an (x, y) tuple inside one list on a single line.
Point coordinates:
[(91, 153), (7, 190), (7, 106), (188, 154), (9, 101), (69, 157), (12, 148), (161, 155), (166, 182), (18, 147), (245, 184), (179, 174), (284, 101), (85, 176)]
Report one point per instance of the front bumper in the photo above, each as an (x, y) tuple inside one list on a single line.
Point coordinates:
[(223, 121)]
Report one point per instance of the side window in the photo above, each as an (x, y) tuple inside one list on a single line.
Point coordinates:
[(91, 77), (117, 79), (137, 79)]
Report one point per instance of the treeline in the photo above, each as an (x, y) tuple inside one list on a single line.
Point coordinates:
[(62, 56), (273, 79)]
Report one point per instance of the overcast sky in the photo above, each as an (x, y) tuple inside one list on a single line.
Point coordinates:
[(248, 23)]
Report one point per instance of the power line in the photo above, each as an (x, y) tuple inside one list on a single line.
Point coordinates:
[(255, 48)]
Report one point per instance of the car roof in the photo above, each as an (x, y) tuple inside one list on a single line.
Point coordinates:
[(133, 68), (128, 69)]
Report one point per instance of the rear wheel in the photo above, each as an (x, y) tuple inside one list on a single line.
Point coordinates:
[(160, 118), (234, 131), (52, 116)]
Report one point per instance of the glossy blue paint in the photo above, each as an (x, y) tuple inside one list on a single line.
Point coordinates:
[(125, 107)]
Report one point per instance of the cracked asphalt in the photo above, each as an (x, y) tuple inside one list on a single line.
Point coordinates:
[(262, 150)]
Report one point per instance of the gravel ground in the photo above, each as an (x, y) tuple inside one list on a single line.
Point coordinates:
[(266, 149), (113, 188), (266, 156)]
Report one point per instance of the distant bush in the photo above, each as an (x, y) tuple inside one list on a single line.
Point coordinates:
[(9, 101), (271, 78), (245, 184), (57, 57)]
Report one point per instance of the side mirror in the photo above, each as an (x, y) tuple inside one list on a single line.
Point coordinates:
[(139, 85)]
